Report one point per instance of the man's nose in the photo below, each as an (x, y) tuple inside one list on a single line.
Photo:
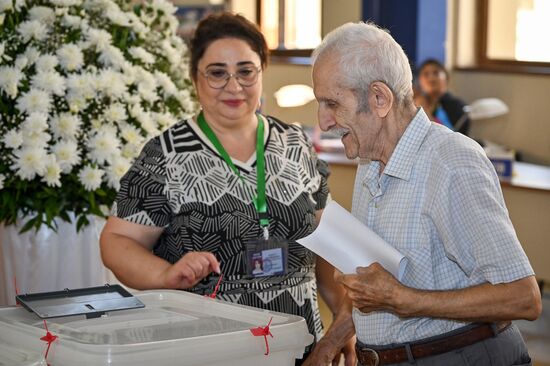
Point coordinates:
[(326, 121)]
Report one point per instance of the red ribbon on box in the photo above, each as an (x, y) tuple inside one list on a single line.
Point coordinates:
[(263, 332), (50, 338)]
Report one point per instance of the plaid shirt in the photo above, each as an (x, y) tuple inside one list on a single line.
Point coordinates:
[(439, 203)]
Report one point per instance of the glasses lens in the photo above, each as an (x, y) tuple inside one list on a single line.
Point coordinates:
[(217, 78), (247, 76)]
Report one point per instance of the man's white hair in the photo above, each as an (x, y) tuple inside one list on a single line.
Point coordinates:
[(366, 53)]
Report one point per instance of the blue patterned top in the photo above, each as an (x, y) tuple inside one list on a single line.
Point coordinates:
[(439, 203)]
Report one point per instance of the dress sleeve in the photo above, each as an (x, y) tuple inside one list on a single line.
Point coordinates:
[(473, 223), (142, 197)]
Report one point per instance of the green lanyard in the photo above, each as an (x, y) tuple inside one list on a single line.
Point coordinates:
[(259, 202)]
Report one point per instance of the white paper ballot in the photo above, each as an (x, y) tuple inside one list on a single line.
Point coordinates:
[(346, 243)]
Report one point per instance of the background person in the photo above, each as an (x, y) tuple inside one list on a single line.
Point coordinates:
[(433, 195), (433, 95), (186, 207)]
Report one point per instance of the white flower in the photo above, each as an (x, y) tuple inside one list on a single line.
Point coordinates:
[(164, 119), (9, 5), (104, 146), (66, 2), (65, 125), (42, 14), (118, 168), (2, 179), (35, 122), (34, 30), (32, 54), (81, 85), (112, 57), (130, 133), (70, 57), (21, 62), (111, 83), (13, 139), (99, 39), (71, 21), (142, 55), (115, 113), (131, 151), (67, 154), (51, 82), (45, 63), (166, 83), (52, 173), (10, 79), (29, 162), (164, 7), (90, 177), (34, 100)]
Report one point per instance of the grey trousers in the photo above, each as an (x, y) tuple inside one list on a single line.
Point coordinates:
[(506, 349)]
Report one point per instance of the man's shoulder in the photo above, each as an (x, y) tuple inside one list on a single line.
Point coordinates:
[(453, 150)]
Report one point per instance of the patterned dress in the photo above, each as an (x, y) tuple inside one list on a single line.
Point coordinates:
[(180, 183)]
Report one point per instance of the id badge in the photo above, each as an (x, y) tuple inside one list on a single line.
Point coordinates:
[(267, 257)]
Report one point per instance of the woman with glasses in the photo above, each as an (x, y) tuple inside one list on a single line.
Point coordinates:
[(214, 196)]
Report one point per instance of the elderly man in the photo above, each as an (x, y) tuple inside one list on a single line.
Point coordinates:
[(433, 195)]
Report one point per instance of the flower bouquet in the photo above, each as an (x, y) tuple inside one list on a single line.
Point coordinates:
[(83, 85)]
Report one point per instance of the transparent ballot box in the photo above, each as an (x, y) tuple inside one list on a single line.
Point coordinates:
[(173, 328)]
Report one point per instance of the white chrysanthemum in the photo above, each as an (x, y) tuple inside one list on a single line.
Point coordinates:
[(71, 21), (118, 17), (118, 168), (111, 83), (46, 63), (10, 5), (10, 79), (115, 112), (21, 62), (32, 54), (142, 55), (185, 100), (131, 134), (70, 57), (99, 38), (112, 57), (34, 100), (77, 103), (35, 122), (65, 125), (29, 162), (145, 119), (104, 146), (166, 83), (131, 151), (2, 180), (66, 3), (13, 139), (51, 82), (34, 30), (147, 85), (90, 177), (81, 85), (42, 14), (52, 172), (165, 7), (164, 119), (171, 54), (67, 154)]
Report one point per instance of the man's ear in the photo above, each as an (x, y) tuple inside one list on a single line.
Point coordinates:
[(380, 98)]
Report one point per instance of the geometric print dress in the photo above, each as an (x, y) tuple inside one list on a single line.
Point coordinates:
[(181, 183)]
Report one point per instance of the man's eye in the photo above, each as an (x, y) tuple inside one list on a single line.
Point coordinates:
[(218, 74)]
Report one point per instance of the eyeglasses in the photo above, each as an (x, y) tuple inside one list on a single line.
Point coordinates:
[(218, 78)]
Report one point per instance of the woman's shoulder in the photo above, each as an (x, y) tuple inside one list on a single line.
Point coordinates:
[(290, 130)]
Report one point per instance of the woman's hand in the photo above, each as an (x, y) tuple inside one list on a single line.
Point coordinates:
[(189, 270)]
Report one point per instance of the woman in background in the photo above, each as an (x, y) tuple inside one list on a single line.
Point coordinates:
[(433, 96), (192, 203)]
